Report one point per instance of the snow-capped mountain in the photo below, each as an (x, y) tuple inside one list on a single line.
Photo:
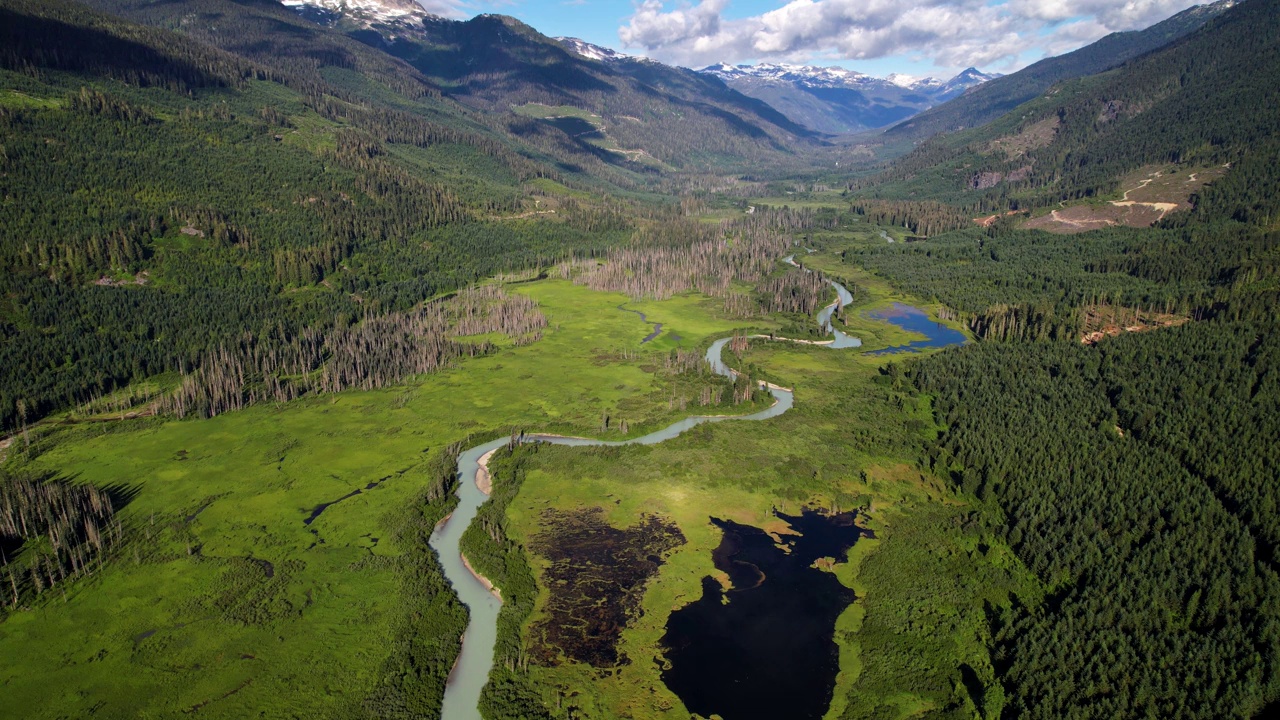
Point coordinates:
[(807, 75), (903, 80), (967, 78), (837, 100), (590, 51), (813, 76), (362, 12)]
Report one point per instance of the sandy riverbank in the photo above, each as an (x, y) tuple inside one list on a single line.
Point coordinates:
[(775, 338), (483, 580), (484, 481)]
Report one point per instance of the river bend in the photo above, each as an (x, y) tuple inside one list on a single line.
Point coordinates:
[(471, 672)]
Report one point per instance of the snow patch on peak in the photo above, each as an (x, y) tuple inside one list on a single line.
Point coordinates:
[(805, 75), (589, 50), (902, 80), (367, 11), (965, 79)]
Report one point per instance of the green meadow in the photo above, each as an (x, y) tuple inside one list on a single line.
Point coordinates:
[(187, 617)]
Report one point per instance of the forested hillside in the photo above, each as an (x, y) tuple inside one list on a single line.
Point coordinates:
[(1204, 100), (997, 97), (1118, 418), (164, 198), (1104, 464)]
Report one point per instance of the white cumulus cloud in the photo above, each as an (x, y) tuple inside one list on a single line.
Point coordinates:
[(951, 33)]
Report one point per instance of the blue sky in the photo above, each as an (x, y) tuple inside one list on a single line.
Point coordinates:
[(878, 37)]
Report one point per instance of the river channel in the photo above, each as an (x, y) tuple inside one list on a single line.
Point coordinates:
[(471, 672)]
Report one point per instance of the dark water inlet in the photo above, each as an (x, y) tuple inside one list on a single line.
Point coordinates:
[(765, 648), (657, 326), (317, 510)]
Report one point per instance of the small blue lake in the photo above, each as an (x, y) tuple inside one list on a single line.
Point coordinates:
[(916, 320)]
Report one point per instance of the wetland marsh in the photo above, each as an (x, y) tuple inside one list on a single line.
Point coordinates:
[(331, 545)]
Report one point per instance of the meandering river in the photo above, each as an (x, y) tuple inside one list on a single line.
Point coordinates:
[(471, 672)]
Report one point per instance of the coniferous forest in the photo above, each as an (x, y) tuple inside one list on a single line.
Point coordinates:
[(271, 273)]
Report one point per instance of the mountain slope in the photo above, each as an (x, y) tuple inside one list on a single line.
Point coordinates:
[(1208, 98), (836, 100), (175, 196), (1003, 94), (496, 63)]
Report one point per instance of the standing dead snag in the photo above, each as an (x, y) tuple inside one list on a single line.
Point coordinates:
[(61, 528), (379, 351)]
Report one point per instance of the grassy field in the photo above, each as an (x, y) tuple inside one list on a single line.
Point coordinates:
[(587, 126), (200, 622)]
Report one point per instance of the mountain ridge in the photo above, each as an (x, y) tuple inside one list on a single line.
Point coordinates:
[(497, 64), (835, 76), (838, 100), (1007, 92), (1076, 141)]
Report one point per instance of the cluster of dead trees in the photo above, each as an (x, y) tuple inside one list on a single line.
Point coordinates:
[(64, 531), (680, 360), (743, 388), (795, 291), (708, 266), (384, 350), (486, 309), (741, 305), (377, 352)]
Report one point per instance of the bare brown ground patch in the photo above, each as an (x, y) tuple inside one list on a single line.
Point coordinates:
[(1149, 195), (1103, 321), (1036, 135), (1083, 218), (990, 220)]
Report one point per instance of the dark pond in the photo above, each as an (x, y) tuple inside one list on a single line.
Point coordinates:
[(916, 320), (765, 648)]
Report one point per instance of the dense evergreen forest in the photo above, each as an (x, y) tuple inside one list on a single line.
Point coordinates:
[(1137, 479), (1135, 472)]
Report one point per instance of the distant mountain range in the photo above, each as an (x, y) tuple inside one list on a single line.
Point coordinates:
[(637, 116), (810, 76), (836, 100), (825, 99), (510, 64)]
